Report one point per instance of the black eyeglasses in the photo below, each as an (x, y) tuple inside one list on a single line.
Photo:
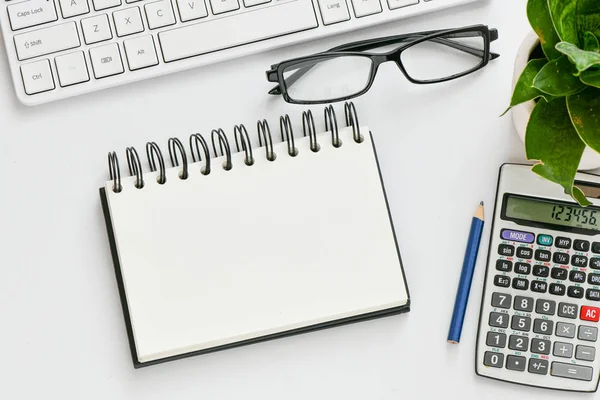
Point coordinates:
[(346, 71)]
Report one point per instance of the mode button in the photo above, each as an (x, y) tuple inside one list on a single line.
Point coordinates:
[(517, 236)]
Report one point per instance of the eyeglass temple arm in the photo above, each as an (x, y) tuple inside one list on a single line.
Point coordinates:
[(386, 41)]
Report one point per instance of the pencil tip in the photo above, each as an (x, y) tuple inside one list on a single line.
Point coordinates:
[(481, 203)]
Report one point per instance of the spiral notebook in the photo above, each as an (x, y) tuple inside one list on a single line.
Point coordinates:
[(230, 247)]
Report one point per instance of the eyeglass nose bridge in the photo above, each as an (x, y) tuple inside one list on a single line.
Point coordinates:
[(393, 56)]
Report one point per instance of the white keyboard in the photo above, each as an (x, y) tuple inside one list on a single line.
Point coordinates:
[(63, 48)]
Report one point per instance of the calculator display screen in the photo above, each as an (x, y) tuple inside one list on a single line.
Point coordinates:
[(553, 213)]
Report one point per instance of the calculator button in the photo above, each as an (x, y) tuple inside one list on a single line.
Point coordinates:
[(587, 333), (594, 279), (515, 363), (596, 247), (538, 366), (498, 320), (559, 273), (522, 268), (520, 343), (504, 265), (592, 294), (492, 359), (575, 291), (561, 258), (542, 255), (524, 252), (557, 289), (501, 300), (564, 350), (541, 270), (502, 281), (577, 276), (520, 284), (540, 346), (547, 307), (563, 242), (517, 236), (581, 245), (565, 330), (519, 323), (571, 371), (539, 286), (544, 240), (543, 326), (495, 339), (567, 310), (523, 303), (506, 250), (579, 261), (590, 313), (585, 353), (595, 263)]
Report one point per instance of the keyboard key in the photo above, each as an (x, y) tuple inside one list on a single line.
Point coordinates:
[(581, 245), (579, 372), (542, 255), (495, 339), (140, 52), (524, 252), (541, 270), (250, 3), (519, 343), (501, 281), (592, 294), (561, 258), (540, 346), (31, 13), (577, 276), (565, 330), (596, 247), (160, 14), (543, 326), (590, 313), (393, 4), (520, 284), (506, 250), (72, 8), (334, 11), (579, 261), (538, 366), (104, 4), (575, 291), (559, 273), (498, 320), (539, 286), (519, 323), (190, 10), (504, 265), (587, 333), (517, 236), (37, 77), (501, 300), (363, 8), (128, 21), (585, 353), (72, 69), (46, 40), (522, 268), (223, 6), (516, 363), (106, 60), (557, 289), (567, 310), (544, 240), (492, 359), (595, 263), (563, 242), (96, 29), (564, 350), (546, 307), (523, 303), (594, 279)]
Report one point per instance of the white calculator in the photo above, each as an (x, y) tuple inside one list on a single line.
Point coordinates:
[(538, 324)]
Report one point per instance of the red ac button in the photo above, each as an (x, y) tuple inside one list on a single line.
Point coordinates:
[(590, 314)]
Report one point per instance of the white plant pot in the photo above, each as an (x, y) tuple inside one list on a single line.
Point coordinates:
[(521, 113)]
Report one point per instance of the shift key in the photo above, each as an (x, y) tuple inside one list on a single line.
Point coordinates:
[(31, 13), (46, 41)]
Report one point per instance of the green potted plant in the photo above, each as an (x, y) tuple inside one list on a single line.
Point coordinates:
[(563, 80)]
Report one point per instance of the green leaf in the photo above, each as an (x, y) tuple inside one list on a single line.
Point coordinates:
[(557, 78), (584, 109), (564, 17), (591, 77), (553, 142), (524, 90), (590, 42), (541, 22), (581, 58), (588, 17)]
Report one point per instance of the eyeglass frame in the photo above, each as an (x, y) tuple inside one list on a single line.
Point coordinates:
[(275, 74)]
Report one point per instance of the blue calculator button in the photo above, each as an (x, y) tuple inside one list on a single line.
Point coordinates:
[(517, 236), (545, 240)]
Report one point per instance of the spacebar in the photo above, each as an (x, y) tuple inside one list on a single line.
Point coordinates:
[(237, 29)]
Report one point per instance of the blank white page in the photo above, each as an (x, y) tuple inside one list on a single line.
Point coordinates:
[(258, 250)]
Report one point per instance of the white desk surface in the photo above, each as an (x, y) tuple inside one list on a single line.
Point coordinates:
[(440, 147)]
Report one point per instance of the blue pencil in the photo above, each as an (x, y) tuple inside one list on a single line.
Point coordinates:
[(466, 277)]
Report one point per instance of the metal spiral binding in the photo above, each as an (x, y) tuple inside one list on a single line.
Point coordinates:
[(242, 143)]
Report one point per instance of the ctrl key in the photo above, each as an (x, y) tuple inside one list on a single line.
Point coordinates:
[(493, 359), (37, 77)]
